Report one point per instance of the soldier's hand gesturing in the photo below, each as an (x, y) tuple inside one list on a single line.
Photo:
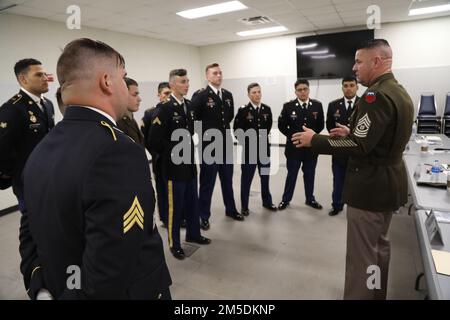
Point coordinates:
[(340, 131), (303, 139)]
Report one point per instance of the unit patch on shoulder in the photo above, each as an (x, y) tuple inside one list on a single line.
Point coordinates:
[(370, 97), (134, 215), (363, 126)]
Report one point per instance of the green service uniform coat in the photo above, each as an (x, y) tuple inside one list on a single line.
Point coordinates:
[(380, 129)]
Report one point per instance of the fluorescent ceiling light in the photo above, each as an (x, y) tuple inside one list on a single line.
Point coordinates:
[(212, 10), (306, 53), (328, 56), (427, 7), (256, 32), (307, 46)]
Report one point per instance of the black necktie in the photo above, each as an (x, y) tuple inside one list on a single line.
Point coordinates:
[(349, 105), (304, 105), (44, 110), (219, 94), (42, 105)]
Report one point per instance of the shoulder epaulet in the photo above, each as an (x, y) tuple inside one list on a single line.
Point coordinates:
[(109, 128), (198, 92), (16, 98)]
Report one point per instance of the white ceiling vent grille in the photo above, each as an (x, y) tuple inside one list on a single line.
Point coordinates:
[(255, 21)]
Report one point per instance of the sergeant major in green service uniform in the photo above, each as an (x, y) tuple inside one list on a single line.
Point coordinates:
[(376, 181)]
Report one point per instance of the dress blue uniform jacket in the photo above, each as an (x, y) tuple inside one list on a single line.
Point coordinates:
[(338, 113), (90, 204), (293, 118), (169, 117), (22, 126)]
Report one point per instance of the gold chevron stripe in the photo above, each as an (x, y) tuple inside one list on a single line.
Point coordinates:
[(134, 215)]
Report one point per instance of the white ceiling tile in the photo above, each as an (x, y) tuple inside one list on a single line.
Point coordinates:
[(318, 11), (324, 17), (33, 12), (158, 19), (307, 4)]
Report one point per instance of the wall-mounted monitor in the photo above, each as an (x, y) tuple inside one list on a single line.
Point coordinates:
[(329, 56)]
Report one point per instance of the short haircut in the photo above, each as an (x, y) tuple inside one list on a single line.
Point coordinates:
[(210, 66), (177, 73), (23, 65), (130, 82), (301, 81), (251, 86), (58, 97), (61, 105), (373, 43), (163, 85), (349, 79), (76, 60)]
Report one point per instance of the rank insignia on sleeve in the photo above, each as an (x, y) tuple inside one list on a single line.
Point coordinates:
[(134, 215), (363, 126), (370, 97), (156, 121), (3, 125)]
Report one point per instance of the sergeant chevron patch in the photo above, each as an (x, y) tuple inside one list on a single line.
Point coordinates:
[(363, 126), (156, 121), (134, 215)]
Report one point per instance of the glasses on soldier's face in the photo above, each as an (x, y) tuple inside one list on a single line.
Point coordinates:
[(302, 89)]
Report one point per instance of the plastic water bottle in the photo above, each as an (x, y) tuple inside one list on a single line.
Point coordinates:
[(414, 130), (435, 169)]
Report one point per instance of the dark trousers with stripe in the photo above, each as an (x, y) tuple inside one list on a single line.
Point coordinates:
[(309, 173), (248, 171), (161, 195), (208, 174), (338, 169), (182, 198)]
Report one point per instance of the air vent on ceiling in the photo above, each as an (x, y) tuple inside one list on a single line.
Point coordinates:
[(253, 21)]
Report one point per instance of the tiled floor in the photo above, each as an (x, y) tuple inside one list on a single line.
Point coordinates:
[(298, 253)]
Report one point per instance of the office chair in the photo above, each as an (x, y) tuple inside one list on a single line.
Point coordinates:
[(427, 120)]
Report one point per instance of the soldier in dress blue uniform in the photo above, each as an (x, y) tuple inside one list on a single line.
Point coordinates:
[(339, 112), (160, 182), (177, 117), (24, 121), (254, 119), (295, 114), (214, 107), (127, 123), (88, 190)]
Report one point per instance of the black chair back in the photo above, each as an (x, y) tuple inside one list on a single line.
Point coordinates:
[(427, 105)]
